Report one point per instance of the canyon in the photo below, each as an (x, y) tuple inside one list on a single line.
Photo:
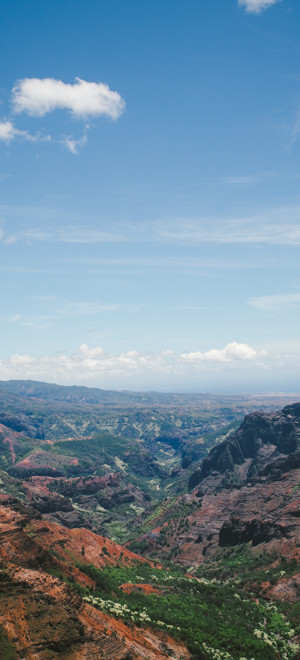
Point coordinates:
[(112, 542)]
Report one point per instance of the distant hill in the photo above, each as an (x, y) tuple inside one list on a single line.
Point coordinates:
[(51, 392), (75, 394)]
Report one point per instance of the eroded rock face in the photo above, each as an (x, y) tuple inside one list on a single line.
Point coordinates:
[(266, 515), (59, 499), (44, 501), (42, 617), (236, 531), (287, 589), (39, 612), (249, 493), (265, 445)]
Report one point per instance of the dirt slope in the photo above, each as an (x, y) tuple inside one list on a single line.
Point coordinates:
[(42, 616)]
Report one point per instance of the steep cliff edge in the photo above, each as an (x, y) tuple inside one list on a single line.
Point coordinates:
[(265, 446), (247, 491)]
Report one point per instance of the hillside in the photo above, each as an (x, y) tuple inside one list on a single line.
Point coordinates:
[(264, 445), (210, 526), (105, 460), (247, 490), (42, 614), (72, 594), (145, 445)]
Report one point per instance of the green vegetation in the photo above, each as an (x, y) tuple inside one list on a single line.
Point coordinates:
[(240, 562), (170, 510), (241, 566), (215, 620), (7, 651), (11, 486), (155, 445)]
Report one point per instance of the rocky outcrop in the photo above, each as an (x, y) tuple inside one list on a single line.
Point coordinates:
[(265, 515), (236, 531), (265, 445), (249, 493), (44, 501)]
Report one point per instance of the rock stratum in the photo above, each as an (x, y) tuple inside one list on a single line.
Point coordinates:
[(44, 618), (246, 491), (265, 445)]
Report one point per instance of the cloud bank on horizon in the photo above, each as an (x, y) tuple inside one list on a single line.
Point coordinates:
[(90, 364), (37, 97)]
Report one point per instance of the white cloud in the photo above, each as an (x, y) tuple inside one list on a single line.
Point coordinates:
[(8, 132), (93, 364), (83, 99), (74, 145), (87, 364), (256, 6), (37, 97), (275, 302), (229, 353)]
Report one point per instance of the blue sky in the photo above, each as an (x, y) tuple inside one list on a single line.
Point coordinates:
[(149, 193)]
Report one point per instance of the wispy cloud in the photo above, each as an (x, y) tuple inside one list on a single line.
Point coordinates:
[(275, 226), (279, 226), (74, 145), (239, 180), (65, 234), (55, 311), (164, 264), (275, 302), (87, 308), (294, 130), (38, 96), (2, 223), (243, 179), (9, 132), (257, 6)]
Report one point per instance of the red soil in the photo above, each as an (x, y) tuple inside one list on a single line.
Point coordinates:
[(145, 588)]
